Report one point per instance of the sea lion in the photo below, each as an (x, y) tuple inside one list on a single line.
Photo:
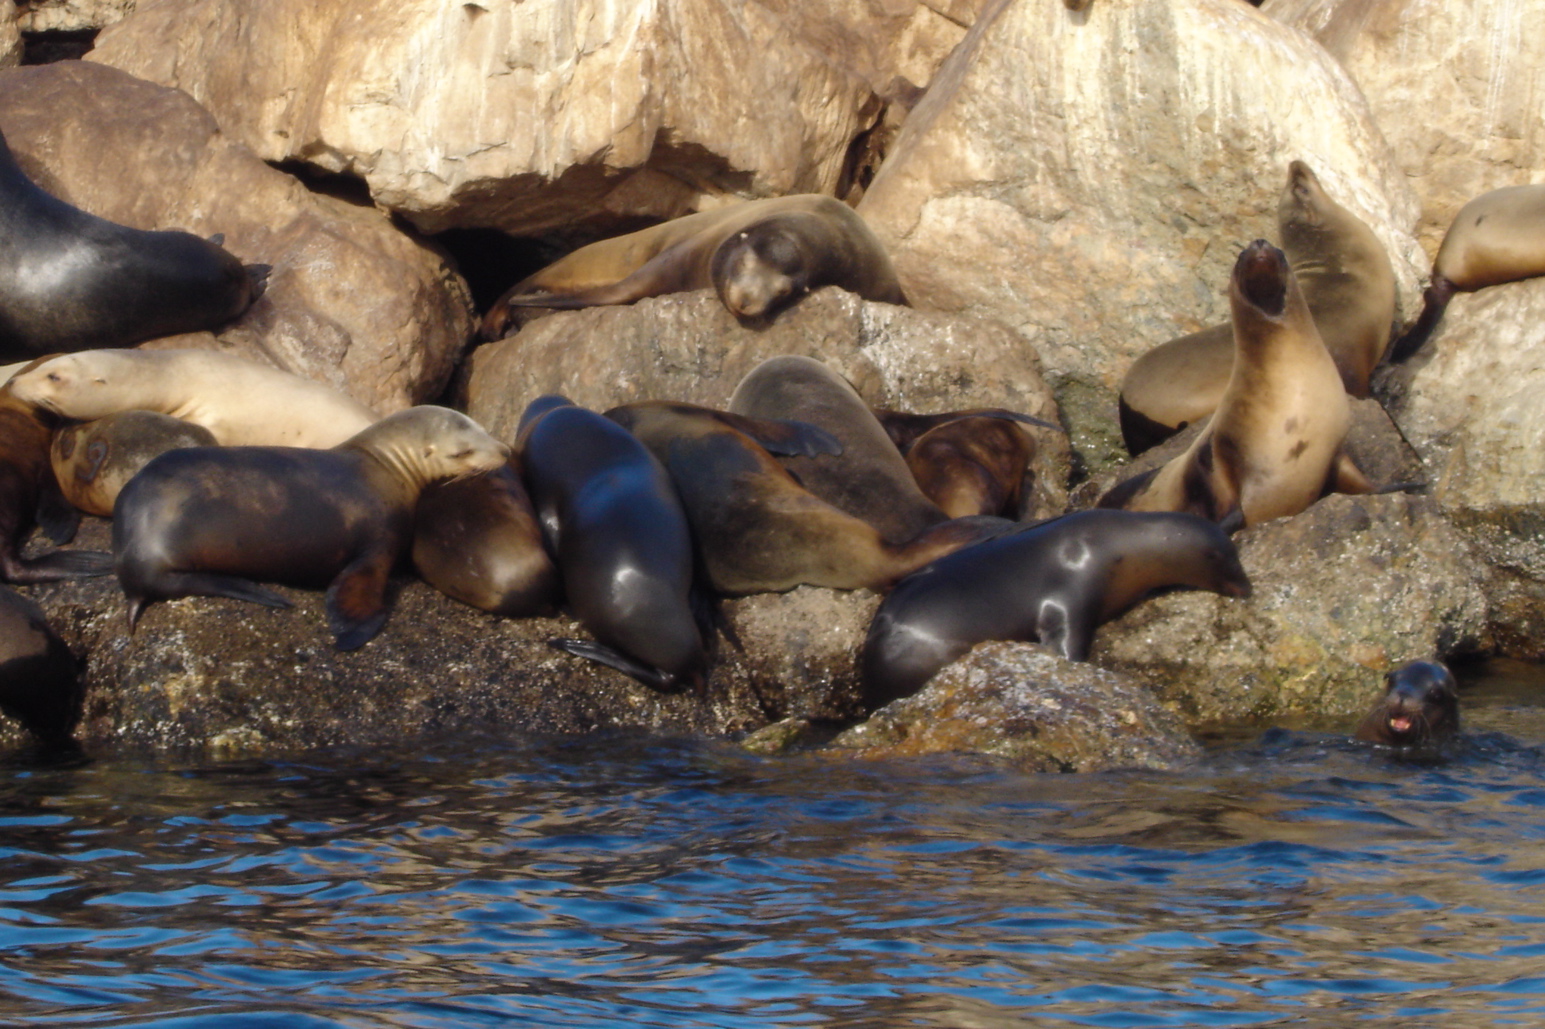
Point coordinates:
[(757, 529), (242, 402), (93, 460), (477, 539), (39, 678), (1051, 583), (869, 479), (1497, 237), (967, 462), (1419, 708), (611, 515), (70, 280), (760, 256), (1348, 282), (1276, 443), (205, 521)]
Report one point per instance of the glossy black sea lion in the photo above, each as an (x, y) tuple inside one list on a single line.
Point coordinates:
[(39, 678), (71, 281), (1419, 708), (1051, 583), (207, 521), (617, 527)]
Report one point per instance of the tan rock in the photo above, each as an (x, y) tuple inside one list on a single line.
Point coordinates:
[(10, 36), (687, 347), (1457, 86), (71, 15), (351, 301)]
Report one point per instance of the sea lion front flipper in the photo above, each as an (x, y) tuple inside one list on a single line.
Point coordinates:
[(211, 584), (58, 519), (1346, 477), (601, 654), (1056, 632), (1434, 302), (786, 437), (356, 601)]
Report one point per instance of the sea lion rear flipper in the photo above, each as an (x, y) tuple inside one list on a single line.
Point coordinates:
[(601, 654), (55, 515), (786, 437), (1346, 477), (61, 564), (1434, 302), (356, 602)]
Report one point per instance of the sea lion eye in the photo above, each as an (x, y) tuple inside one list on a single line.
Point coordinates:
[(53, 377)]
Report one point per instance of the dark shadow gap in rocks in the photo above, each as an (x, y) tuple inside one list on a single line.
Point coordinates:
[(345, 186), (48, 47), (492, 261)]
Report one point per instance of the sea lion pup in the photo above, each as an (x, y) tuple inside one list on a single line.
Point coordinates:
[(1419, 708), (967, 462), (477, 539), (1051, 583), (242, 402), (93, 460), (39, 679), (760, 256), (1497, 237), (70, 280), (1348, 282), (757, 529), (1275, 444), (205, 521), (612, 517), (869, 479), (29, 495)]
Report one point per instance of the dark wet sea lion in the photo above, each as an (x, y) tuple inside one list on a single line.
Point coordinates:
[(70, 280), (1347, 281), (757, 529), (39, 679), (1419, 708), (1051, 583), (206, 521), (869, 479), (761, 256), (1497, 237), (477, 539), (616, 525), (1276, 443), (93, 460)]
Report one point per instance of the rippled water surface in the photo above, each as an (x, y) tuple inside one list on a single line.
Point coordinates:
[(1296, 878)]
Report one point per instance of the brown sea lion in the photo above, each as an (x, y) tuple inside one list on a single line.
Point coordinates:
[(39, 678), (761, 256), (477, 539), (242, 402), (205, 521), (93, 460), (869, 479), (1053, 583), (1419, 708), (1275, 444), (612, 517), (967, 462), (1346, 277), (1497, 237), (757, 529), (70, 280)]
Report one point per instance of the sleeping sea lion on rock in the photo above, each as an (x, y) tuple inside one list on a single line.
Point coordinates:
[(70, 280), (760, 256), (1347, 281), (1497, 237), (1275, 444), (612, 518), (757, 529), (242, 402), (967, 462), (1051, 583), (39, 679), (93, 460), (206, 521), (1419, 708)]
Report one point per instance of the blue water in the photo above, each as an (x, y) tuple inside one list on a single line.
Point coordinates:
[(1294, 878)]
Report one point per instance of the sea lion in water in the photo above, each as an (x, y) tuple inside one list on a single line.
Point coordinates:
[(477, 539), (967, 462), (760, 256), (1051, 583), (205, 521), (612, 517), (93, 460), (1346, 277), (1419, 708), (1275, 444), (1497, 237), (39, 679), (757, 529), (869, 479), (70, 280), (242, 402)]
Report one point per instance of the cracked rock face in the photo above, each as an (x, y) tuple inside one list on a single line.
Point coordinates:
[(10, 35)]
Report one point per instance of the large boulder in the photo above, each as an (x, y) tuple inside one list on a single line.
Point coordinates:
[(1456, 85), (1088, 177), (351, 301), (10, 36)]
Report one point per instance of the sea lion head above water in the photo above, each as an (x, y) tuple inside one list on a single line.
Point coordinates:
[(1419, 708)]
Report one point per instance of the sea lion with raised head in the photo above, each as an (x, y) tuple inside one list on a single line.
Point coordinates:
[(70, 280), (1419, 708), (39, 677), (760, 256), (208, 521), (93, 460), (1053, 583)]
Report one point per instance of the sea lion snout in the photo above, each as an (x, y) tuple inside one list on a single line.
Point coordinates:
[(1261, 274)]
